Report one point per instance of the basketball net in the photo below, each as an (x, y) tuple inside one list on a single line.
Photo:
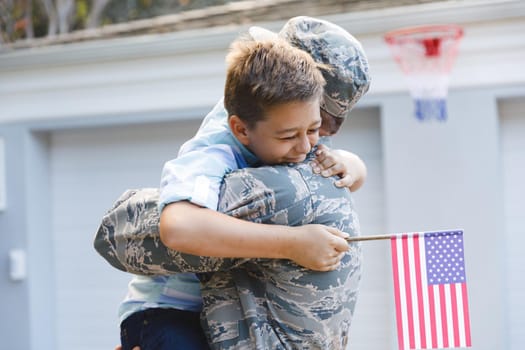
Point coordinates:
[(426, 55)]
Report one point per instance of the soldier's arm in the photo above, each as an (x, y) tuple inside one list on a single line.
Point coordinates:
[(128, 239)]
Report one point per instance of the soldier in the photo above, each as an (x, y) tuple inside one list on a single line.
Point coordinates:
[(332, 105), (276, 304)]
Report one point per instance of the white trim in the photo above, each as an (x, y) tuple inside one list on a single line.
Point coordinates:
[(3, 188), (115, 49), (463, 11)]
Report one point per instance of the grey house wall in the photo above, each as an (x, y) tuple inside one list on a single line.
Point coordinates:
[(461, 173), (512, 145)]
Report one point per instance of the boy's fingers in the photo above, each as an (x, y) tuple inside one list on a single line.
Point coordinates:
[(345, 181), (320, 157), (326, 167), (315, 167), (334, 169), (322, 153), (321, 148)]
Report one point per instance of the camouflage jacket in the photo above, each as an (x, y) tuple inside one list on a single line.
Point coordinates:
[(258, 303)]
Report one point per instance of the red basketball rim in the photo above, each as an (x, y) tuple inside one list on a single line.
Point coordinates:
[(441, 31)]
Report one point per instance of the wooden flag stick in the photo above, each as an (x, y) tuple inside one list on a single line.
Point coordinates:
[(393, 235), (370, 238)]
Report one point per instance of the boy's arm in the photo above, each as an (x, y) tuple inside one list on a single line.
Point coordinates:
[(189, 223), (347, 165), (195, 230)]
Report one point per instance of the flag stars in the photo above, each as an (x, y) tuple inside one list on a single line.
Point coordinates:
[(444, 257)]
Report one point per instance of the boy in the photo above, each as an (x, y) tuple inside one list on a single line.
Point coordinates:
[(270, 123)]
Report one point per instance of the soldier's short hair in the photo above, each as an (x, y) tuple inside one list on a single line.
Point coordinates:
[(268, 73)]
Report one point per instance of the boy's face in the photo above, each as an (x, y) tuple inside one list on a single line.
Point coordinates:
[(287, 134)]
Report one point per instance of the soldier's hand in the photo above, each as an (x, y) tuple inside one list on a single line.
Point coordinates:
[(318, 247), (119, 347)]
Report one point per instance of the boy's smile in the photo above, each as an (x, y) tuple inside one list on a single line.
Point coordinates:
[(286, 135)]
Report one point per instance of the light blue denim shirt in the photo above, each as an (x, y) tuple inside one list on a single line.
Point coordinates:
[(197, 173)]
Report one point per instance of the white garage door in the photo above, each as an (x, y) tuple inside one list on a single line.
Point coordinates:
[(512, 118), (91, 167), (373, 321)]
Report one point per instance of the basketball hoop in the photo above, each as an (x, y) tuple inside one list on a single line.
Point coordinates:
[(426, 55)]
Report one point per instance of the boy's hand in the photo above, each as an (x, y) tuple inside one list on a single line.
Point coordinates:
[(348, 166), (318, 247)]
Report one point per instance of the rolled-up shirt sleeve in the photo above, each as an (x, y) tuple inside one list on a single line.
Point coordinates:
[(196, 176)]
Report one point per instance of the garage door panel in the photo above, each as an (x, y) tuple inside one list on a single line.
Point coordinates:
[(90, 169), (372, 324), (512, 123)]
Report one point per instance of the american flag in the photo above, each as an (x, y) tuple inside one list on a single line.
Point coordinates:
[(430, 290)]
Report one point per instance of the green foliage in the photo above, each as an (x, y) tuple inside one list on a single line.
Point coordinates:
[(82, 13), (14, 22), (40, 20)]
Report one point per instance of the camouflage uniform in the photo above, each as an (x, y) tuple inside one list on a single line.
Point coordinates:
[(129, 239), (276, 304), (259, 303)]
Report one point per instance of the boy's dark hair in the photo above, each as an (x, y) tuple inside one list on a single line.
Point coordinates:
[(264, 74)]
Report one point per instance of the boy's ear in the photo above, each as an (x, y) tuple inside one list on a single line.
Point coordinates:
[(239, 129)]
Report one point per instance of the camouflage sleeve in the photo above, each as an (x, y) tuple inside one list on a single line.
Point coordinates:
[(276, 304), (128, 238)]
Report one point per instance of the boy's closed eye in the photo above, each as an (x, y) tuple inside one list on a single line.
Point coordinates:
[(294, 136)]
